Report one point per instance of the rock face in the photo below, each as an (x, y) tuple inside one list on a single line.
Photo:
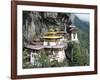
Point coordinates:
[(35, 24)]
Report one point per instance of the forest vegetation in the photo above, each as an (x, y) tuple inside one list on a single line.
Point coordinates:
[(35, 24)]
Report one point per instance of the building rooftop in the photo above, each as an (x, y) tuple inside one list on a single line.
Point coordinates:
[(51, 37), (38, 47), (50, 33), (37, 43), (35, 47), (73, 29), (56, 46)]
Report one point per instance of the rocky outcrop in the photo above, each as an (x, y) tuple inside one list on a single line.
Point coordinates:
[(35, 24)]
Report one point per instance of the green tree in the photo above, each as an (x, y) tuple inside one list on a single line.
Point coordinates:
[(77, 55), (42, 60)]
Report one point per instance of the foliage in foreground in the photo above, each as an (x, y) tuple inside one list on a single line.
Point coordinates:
[(42, 61), (78, 57)]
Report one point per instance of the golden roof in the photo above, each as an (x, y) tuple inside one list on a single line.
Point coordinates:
[(50, 33), (51, 37)]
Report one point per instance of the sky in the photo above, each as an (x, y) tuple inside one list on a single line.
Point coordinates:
[(82, 16)]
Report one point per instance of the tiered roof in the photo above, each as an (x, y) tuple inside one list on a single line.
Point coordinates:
[(51, 34), (35, 47)]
